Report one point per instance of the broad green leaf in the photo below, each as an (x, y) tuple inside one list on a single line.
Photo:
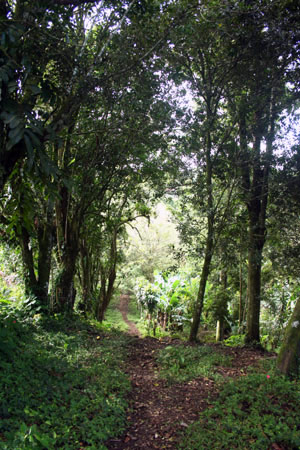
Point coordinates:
[(34, 89), (17, 132), (34, 139)]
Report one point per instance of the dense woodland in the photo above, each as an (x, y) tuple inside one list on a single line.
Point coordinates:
[(152, 148)]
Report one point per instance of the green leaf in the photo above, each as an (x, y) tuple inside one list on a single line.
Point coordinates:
[(71, 162), (17, 132), (3, 76), (12, 86), (34, 89), (7, 117), (175, 284), (15, 122), (15, 137), (30, 150), (34, 139)]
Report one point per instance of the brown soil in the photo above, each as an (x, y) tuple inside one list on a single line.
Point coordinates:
[(159, 412)]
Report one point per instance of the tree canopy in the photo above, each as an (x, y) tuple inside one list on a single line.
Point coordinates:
[(106, 108)]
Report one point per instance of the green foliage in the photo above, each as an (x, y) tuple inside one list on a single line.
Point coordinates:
[(279, 298), (236, 340), (11, 284), (168, 300), (183, 363), (255, 412), (60, 389), (147, 298)]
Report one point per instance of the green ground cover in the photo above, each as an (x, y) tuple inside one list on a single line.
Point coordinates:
[(255, 412), (183, 363), (60, 389)]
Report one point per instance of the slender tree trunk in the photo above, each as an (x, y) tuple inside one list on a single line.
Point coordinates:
[(37, 278), (28, 263), (257, 208), (223, 307), (288, 360), (106, 295), (254, 283), (208, 247), (45, 244), (241, 297), (86, 282), (64, 285), (108, 281), (256, 197), (69, 217)]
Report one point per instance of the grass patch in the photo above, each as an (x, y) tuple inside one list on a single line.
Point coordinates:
[(183, 363), (61, 385), (113, 317), (255, 412)]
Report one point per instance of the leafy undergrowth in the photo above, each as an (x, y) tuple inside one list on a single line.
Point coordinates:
[(183, 363), (61, 385), (257, 411)]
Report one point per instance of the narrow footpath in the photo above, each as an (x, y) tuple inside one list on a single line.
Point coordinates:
[(158, 412)]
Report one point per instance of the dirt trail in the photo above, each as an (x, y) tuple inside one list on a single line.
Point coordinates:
[(158, 412), (123, 308)]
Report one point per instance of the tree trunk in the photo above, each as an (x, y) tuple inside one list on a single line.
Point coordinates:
[(28, 263), (208, 247), (108, 280), (45, 244), (254, 284), (64, 285), (86, 283), (256, 198), (289, 356), (222, 307), (106, 295), (65, 292), (220, 330), (37, 278)]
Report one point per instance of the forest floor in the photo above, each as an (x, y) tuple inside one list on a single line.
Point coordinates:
[(160, 412)]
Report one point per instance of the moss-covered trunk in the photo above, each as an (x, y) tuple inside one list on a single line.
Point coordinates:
[(289, 356)]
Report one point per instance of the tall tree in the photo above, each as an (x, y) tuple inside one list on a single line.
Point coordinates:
[(199, 59), (260, 97)]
